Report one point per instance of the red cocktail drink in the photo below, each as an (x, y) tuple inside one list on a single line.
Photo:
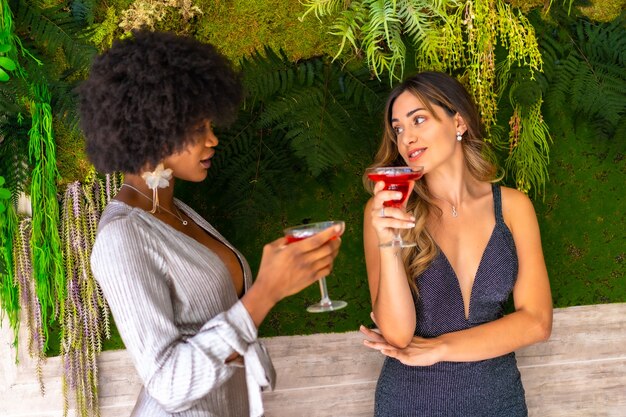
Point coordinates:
[(395, 179), (395, 182)]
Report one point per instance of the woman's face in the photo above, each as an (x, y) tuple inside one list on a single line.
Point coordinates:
[(422, 139), (193, 162)]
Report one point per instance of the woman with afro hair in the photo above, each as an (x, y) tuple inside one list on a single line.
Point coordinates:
[(181, 296)]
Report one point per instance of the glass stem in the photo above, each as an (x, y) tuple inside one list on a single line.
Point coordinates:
[(397, 238), (324, 291)]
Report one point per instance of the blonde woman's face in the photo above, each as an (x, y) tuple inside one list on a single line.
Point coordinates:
[(423, 139)]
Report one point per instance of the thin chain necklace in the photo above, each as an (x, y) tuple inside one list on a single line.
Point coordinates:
[(177, 215), (454, 212)]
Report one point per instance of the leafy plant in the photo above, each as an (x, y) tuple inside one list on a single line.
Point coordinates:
[(584, 67), (45, 243), (6, 64), (9, 291), (5, 201), (52, 30), (57, 38), (9, 297), (53, 52), (86, 315), (29, 301), (299, 119), (483, 40)]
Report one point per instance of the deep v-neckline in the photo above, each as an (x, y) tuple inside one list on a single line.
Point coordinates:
[(204, 225), (214, 234), (476, 275)]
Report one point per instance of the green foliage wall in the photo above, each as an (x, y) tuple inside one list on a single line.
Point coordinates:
[(582, 218), (239, 28)]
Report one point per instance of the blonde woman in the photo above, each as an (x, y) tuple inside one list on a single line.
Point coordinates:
[(439, 306)]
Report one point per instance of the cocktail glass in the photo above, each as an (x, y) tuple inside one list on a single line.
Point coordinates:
[(303, 231), (396, 179)]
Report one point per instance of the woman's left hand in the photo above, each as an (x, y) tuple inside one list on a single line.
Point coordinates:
[(420, 352)]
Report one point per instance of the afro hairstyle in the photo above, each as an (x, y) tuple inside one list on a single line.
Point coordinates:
[(146, 93)]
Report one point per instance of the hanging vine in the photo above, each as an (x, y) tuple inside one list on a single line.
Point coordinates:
[(45, 242), (9, 291), (528, 147), (454, 36), (33, 253), (488, 22), (27, 293), (86, 315)]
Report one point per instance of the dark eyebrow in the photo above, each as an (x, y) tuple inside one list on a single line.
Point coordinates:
[(410, 113)]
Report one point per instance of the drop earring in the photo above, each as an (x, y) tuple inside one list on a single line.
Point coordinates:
[(159, 178), (459, 137)]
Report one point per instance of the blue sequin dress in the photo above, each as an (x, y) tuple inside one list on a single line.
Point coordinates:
[(487, 388)]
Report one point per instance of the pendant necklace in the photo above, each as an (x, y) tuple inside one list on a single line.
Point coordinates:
[(177, 215), (454, 212)]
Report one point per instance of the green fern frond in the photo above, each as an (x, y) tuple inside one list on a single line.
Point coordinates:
[(347, 26), (382, 40), (53, 28), (270, 73), (14, 165), (322, 7), (552, 49), (249, 176), (418, 19), (10, 92), (587, 72), (359, 89), (316, 115), (310, 132), (304, 125), (65, 103), (9, 290), (83, 11), (528, 158)]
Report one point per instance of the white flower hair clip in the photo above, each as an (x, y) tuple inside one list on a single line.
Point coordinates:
[(159, 178)]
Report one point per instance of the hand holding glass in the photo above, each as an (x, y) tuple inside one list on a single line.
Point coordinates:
[(396, 179), (296, 233)]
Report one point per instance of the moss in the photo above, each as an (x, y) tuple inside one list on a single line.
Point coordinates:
[(598, 10), (603, 10), (582, 217), (240, 27)]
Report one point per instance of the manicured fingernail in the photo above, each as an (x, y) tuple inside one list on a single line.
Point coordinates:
[(410, 225)]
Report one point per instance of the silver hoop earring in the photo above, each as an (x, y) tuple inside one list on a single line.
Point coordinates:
[(459, 137)]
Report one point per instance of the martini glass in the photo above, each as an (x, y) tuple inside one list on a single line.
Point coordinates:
[(303, 231), (396, 179)]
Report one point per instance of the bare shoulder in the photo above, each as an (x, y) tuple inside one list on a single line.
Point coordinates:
[(516, 206)]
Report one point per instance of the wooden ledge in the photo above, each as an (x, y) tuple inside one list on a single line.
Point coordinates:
[(580, 371)]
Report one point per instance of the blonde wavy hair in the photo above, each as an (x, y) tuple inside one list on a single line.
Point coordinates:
[(433, 89)]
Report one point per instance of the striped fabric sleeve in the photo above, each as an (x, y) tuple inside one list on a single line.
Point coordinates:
[(176, 370)]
